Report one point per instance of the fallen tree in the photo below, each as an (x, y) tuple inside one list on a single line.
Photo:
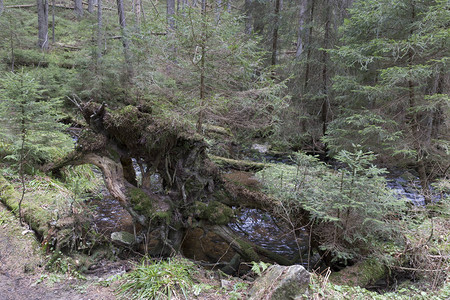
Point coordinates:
[(193, 192)]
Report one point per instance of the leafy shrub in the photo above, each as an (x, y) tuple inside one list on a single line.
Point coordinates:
[(161, 280)]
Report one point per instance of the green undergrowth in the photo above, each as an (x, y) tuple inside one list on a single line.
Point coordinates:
[(48, 200), (321, 288), (166, 279)]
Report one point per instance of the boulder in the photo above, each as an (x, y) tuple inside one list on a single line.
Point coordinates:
[(281, 283)]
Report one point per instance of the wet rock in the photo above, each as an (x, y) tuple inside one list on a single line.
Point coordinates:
[(281, 283), (408, 176), (123, 237), (233, 266), (261, 148)]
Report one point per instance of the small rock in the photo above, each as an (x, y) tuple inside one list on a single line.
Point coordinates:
[(261, 148), (123, 237), (281, 283), (226, 284)]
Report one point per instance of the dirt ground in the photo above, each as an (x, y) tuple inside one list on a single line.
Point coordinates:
[(22, 273)]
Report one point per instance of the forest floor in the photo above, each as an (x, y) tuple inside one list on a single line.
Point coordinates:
[(23, 274)]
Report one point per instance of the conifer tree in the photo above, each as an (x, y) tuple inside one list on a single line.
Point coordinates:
[(397, 56), (28, 122)]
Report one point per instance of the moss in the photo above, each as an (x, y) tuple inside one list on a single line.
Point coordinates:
[(141, 202), (248, 250), (360, 274), (243, 165), (163, 215), (215, 212)]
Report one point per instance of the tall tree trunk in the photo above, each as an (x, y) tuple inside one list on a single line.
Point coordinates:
[(90, 6), (137, 13), (248, 16), (218, 10), (171, 15), (125, 42), (301, 28), (11, 42), (275, 32), (42, 8), (53, 21), (78, 8), (99, 28), (202, 70), (23, 137), (326, 100), (308, 44)]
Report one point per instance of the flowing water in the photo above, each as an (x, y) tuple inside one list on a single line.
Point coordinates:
[(255, 225), (262, 229)]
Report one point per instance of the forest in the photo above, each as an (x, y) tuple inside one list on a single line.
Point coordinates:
[(224, 149)]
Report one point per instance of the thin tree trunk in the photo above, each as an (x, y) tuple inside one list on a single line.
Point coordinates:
[(53, 21), (202, 70), (90, 6), (23, 132), (78, 8), (218, 10), (301, 29), (125, 42), (1, 7), (171, 15), (99, 29), (326, 100), (275, 32), (137, 13), (248, 16), (42, 7), (309, 39)]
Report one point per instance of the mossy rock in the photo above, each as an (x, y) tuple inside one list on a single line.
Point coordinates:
[(215, 212), (361, 274), (123, 237), (141, 201)]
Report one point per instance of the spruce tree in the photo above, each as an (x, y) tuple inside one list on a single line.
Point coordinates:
[(396, 55), (29, 124)]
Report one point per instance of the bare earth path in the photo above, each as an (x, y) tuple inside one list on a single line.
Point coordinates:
[(21, 267)]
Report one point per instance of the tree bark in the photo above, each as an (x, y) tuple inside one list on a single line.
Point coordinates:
[(90, 6), (78, 8), (53, 21), (301, 28), (308, 44), (275, 33), (125, 41), (42, 8), (99, 29), (171, 15), (248, 16), (326, 100), (202, 69)]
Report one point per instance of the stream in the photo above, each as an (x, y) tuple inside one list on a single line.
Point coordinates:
[(255, 225)]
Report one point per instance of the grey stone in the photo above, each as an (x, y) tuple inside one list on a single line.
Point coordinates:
[(123, 237), (261, 148), (281, 283)]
